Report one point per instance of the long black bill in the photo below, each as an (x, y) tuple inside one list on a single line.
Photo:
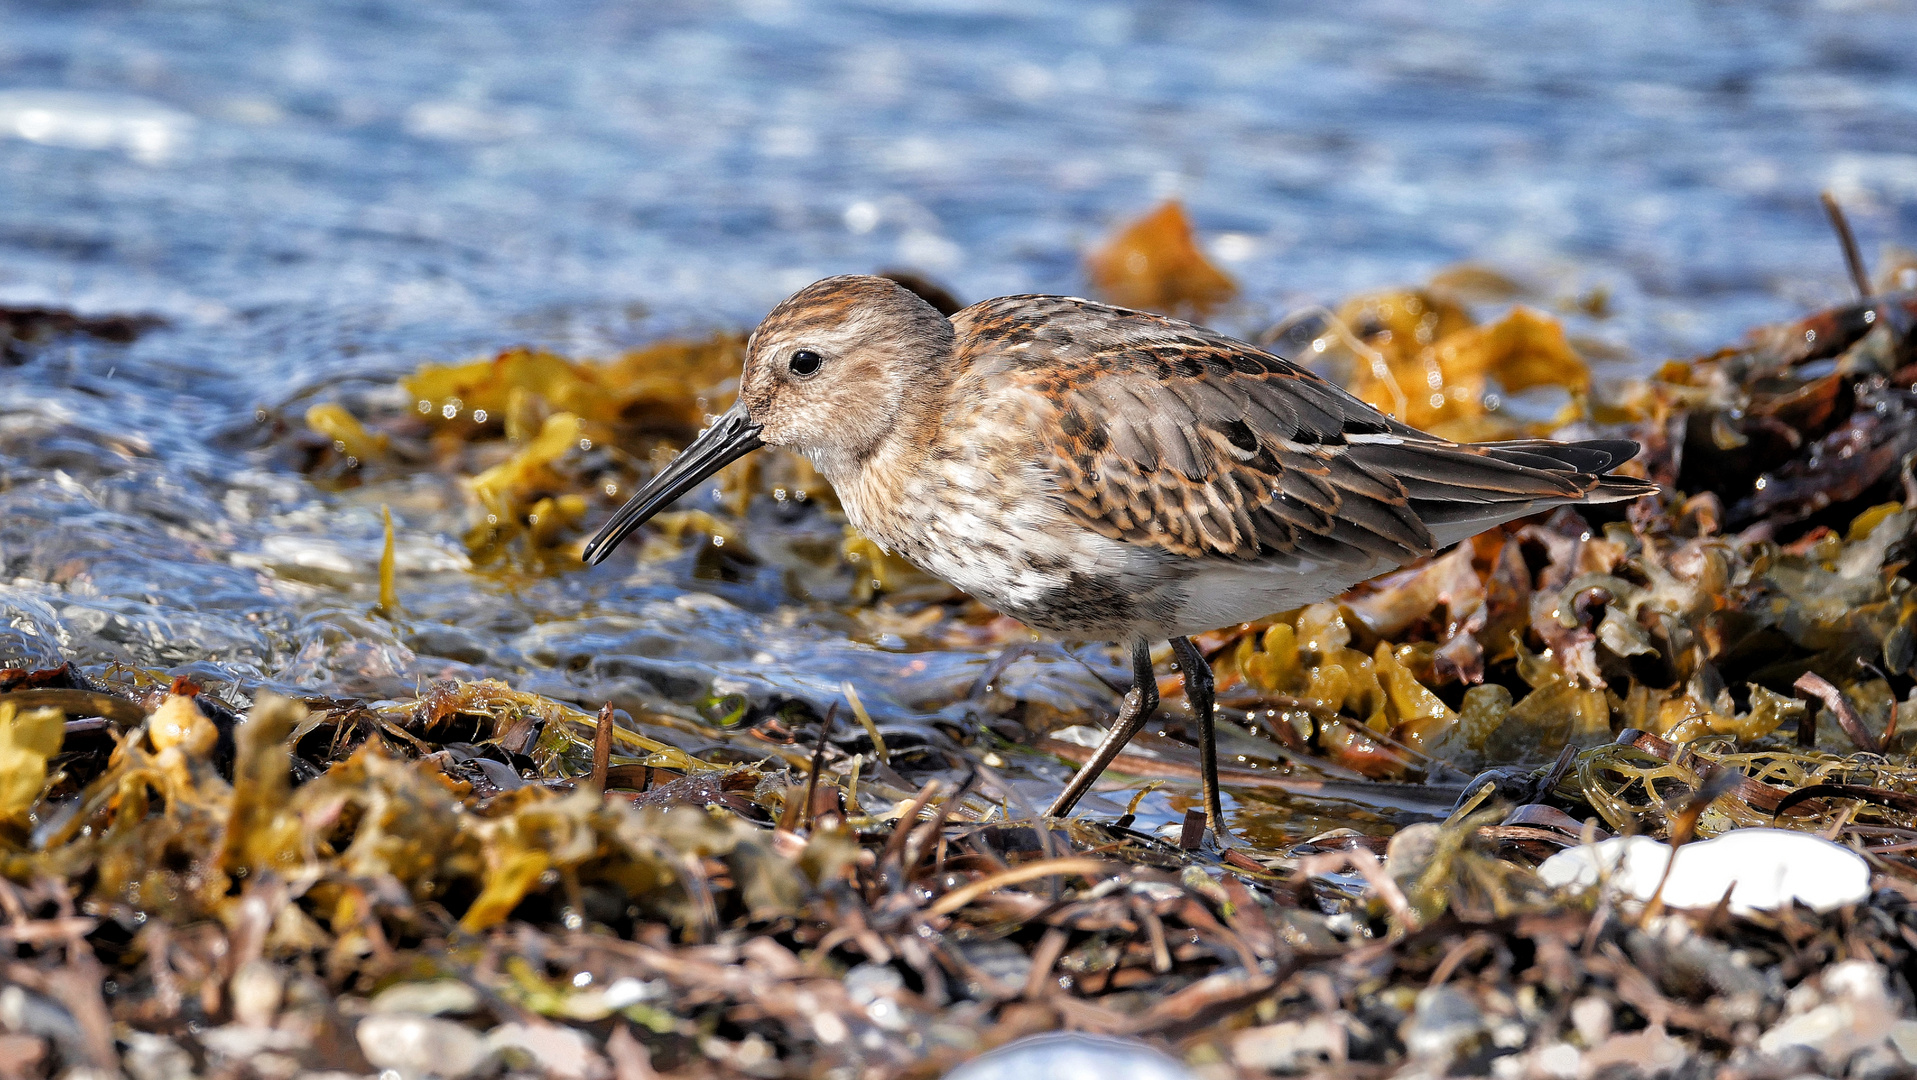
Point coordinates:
[(731, 437)]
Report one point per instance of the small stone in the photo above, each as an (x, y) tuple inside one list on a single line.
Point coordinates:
[(155, 1057), (1444, 1023), (242, 1042), (273, 1066), (1651, 1052), (1559, 1061), (628, 991), (1848, 1009), (876, 989), (23, 1012), (1410, 851), (257, 992), (563, 1052), (433, 997), (1291, 1046), (1903, 1035), (1003, 963), (1591, 1016), (867, 983), (1880, 1062), (420, 1046), (1306, 931)]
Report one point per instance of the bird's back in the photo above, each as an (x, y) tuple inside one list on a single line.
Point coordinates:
[(1238, 478)]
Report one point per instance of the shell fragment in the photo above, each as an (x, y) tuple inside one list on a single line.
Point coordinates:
[(1764, 869)]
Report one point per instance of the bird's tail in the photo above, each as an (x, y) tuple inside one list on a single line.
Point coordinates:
[(1459, 490)]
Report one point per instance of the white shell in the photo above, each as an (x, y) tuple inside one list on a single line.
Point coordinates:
[(1063, 1055), (1765, 869)]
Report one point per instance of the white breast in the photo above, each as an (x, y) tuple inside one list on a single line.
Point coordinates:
[(995, 528), (980, 514)]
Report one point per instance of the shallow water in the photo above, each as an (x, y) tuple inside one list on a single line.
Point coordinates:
[(318, 197)]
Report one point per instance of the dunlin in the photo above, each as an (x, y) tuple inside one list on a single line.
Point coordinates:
[(1109, 475)]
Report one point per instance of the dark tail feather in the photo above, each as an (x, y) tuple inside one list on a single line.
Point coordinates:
[(1599, 455), (1457, 491), (1593, 459)]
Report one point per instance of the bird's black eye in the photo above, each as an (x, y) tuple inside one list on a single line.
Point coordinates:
[(804, 362)]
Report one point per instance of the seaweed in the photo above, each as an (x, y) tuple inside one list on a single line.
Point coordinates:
[(1155, 263)]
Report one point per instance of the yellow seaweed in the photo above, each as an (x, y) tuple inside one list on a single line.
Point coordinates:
[(1436, 371), (28, 738), (260, 833), (682, 378), (1154, 263), (388, 590), (504, 490), (349, 436)]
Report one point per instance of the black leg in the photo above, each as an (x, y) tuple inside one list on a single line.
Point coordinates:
[(1139, 705), (1198, 691)]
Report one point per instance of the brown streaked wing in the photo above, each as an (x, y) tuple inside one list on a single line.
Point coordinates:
[(1166, 434)]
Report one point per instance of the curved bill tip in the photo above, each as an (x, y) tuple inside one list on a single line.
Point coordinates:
[(731, 437)]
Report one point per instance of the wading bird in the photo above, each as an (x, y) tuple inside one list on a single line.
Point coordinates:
[(1103, 474)]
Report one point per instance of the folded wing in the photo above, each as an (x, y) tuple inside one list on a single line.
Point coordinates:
[(1166, 434)]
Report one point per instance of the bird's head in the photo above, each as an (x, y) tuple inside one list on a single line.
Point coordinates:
[(828, 372)]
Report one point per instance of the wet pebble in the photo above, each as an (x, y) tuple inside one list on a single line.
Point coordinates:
[(1591, 1016), (245, 1042), (1648, 1053), (416, 1046), (1443, 1024), (1846, 1008), (257, 992), (1002, 962), (1291, 1046), (1903, 1036), (1881, 1062), (23, 1012), (876, 988), (1411, 850), (1551, 1061), (564, 1053), (433, 997)]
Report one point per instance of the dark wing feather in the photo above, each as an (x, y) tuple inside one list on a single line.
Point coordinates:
[(1166, 434)]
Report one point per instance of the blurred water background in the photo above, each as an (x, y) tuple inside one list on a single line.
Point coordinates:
[(317, 193)]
